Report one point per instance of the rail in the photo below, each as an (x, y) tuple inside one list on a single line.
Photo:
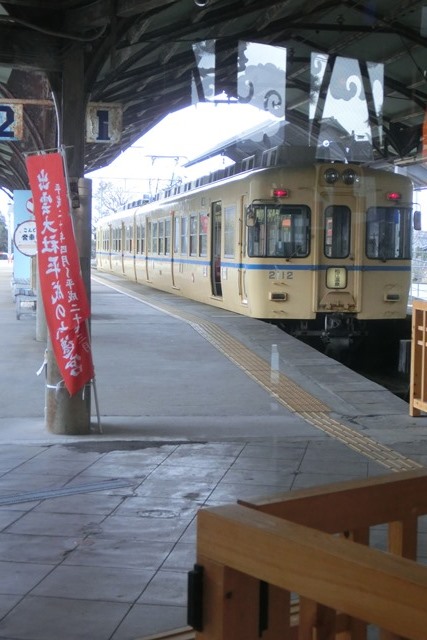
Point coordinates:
[(418, 380), (298, 565)]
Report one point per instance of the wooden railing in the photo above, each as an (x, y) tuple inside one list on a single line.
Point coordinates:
[(291, 566), (418, 383)]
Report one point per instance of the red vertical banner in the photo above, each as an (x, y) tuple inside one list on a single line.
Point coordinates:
[(64, 295)]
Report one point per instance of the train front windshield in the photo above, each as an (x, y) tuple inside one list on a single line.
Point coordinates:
[(279, 231), (388, 233)]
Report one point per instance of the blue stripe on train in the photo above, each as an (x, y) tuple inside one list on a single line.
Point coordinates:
[(288, 266)]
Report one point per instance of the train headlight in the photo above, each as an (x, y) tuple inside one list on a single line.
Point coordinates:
[(331, 176), (336, 278), (349, 176)]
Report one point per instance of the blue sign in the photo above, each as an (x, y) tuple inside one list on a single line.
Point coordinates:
[(22, 212)]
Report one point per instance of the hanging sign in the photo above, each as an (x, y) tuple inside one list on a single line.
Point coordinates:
[(11, 122), (63, 292), (24, 238), (104, 122)]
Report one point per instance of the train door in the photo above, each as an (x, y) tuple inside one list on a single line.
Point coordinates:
[(135, 248), (110, 246), (130, 249), (241, 248), (336, 277), (148, 250), (216, 248), (118, 245), (174, 244), (122, 246)]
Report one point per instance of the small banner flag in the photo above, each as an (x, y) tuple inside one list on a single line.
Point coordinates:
[(64, 295)]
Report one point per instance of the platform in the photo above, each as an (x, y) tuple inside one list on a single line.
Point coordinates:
[(97, 532)]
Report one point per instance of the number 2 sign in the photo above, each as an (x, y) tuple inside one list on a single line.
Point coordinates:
[(11, 118)]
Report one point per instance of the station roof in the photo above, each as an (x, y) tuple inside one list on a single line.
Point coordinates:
[(139, 54)]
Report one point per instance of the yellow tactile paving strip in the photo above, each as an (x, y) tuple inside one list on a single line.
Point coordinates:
[(291, 395), (282, 388)]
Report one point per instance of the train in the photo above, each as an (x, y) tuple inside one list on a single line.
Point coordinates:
[(322, 249)]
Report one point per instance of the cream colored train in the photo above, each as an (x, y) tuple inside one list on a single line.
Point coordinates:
[(321, 249)]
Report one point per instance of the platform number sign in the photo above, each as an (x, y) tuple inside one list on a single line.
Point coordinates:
[(11, 117), (103, 122)]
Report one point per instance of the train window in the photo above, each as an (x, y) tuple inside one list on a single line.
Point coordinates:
[(117, 239), (203, 234), (106, 239), (161, 241), (279, 230), (184, 241), (176, 234), (269, 158), (129, 238), (167, 236), (154, 237), (193, 235), (229, 226), (248, 163), (140, 238), (336, 241), (388, 233)]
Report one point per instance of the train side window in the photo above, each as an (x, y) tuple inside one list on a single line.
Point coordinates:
[(129, 239), (154, 237), (336, 239), (203, 234), (161, 242), (248, 163), (117, 239), (193, 235), (388, 233), (140, 238), (167, 237), (184, 241), (229, 230), (176, 234), (106, 239)]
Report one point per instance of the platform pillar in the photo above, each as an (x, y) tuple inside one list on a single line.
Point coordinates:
[(65, 414)]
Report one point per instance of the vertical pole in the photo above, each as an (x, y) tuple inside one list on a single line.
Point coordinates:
[(41, 326), (65, 414)]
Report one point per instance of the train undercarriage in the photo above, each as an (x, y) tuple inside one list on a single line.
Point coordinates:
[(360, 343)]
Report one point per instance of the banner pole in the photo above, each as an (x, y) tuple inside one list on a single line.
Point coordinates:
[(67, 307)]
